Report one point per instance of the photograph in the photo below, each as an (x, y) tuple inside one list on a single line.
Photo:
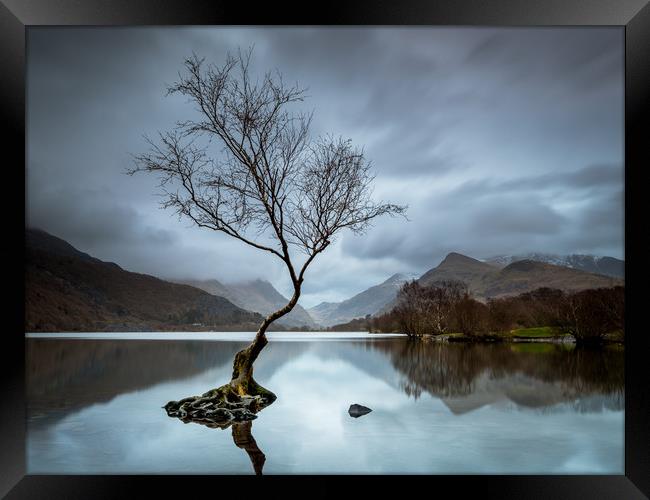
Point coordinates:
[(330, 250)]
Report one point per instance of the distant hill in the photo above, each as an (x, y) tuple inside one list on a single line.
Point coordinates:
[(68, 290), (526, 275), (367, 302), (455, 266), (607, 266), (258, 296), (491, 280)]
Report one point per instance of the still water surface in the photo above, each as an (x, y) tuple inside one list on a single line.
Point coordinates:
[(95, 406)]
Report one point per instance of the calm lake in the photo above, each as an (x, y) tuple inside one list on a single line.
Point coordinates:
[(95, 406)]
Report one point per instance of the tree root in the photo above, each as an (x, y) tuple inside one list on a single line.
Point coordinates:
[(222, 406)]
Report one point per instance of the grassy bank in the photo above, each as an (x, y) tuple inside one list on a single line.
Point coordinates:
[(539, 332), (544, 334)]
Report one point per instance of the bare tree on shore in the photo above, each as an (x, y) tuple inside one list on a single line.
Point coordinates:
[(428, 310)]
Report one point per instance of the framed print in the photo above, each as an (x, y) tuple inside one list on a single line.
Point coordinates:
[(370, 244)]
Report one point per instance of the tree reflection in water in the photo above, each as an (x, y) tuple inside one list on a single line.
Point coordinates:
[(534, 374), (242, 436)]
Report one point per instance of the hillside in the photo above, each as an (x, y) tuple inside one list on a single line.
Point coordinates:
[(258, 296), (68, 290), (526, 275), (455, 266), (490, 280), (367, 302), (607, 266)]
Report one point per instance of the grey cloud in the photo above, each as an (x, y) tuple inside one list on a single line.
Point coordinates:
[(593, 178), (514, 217), (597, 175), (586, 57), (488, 216), (501, 140), (590, 177), (602, 224), (92, 219)]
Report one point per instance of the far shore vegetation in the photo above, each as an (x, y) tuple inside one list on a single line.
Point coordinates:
[(447, 311)]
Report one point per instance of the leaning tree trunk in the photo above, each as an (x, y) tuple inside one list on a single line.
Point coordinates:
[(243, 383), (241, 398)]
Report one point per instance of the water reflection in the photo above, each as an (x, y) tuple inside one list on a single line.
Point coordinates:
[(532, 375), (525, 408), (243, 438), (65, 375)]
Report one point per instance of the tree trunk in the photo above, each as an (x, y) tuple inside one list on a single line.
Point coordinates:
[(242, 381), (240, 398)]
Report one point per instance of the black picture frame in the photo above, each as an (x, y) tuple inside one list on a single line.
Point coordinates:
[(16, 15)]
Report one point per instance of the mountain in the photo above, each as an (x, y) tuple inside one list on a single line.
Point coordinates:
[(68, 290), (607, 266), (323, 311), (258, 296), (487, 280), (367, 302), (491, 280), (455, 266), (37, 240), (526, 275)]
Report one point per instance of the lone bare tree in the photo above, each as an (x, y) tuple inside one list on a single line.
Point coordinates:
[(268, 185)]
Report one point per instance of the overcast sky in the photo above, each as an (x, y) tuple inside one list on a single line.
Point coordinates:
[(500, 140)]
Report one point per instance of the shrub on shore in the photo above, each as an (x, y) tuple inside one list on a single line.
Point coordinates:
[(448, 306)]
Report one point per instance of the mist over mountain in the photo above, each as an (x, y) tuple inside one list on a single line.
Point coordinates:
[(255, 295), (367, 302), (69, 290)]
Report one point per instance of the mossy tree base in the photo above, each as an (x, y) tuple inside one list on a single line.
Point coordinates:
[(222, 406), (237, 401)]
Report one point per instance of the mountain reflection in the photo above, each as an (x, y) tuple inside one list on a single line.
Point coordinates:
[(467, 376), (68, 375), (503, 400)]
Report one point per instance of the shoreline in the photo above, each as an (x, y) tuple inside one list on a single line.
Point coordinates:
[(452, 338), (559, 340)]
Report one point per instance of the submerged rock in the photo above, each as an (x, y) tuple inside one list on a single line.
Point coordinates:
[(357, 411)]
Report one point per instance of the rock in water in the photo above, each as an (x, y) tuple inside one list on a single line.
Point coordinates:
[(357, 411)]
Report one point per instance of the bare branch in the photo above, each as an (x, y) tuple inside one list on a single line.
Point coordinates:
[(268, 185)]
